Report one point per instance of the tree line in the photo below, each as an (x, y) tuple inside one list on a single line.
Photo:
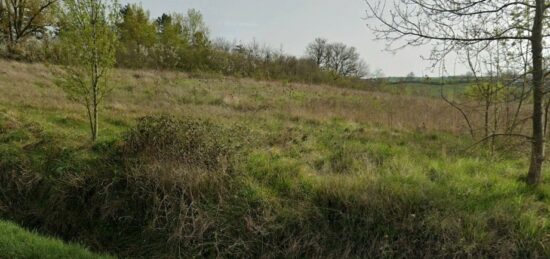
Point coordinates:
[(31, 31)]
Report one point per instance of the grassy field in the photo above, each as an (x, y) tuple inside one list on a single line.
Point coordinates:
[(240, 168), (19, 243)]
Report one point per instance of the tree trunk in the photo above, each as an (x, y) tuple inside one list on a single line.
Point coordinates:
[(90, 117), (95, 106), (487, 107), (95, 74), (96, 121), (537, 154)]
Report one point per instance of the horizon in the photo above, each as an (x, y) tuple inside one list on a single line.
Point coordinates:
[(304, 20)]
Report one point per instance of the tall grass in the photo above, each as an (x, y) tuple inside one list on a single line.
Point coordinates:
[(140, 93), (190, 187), (243, 168)]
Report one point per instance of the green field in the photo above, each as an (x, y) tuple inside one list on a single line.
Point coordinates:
[(19, 243), (232, 167)]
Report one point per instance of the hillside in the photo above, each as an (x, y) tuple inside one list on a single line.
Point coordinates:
[(231, 167)]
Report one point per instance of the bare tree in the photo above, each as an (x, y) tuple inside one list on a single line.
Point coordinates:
[(337, 57), (343, 60), (460, 24), (317, 51)]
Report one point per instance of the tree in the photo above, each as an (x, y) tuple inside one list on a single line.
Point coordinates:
[(489, 94), (195, 27), (197, 33), (472, 24), (88, 42), (23, 19), (171, 40), (337, 57), (317, 51), (342, 59), (137, 35)]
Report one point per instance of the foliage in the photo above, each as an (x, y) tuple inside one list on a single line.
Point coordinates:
[(88, 44), (181, 41), (137, 36), (21, 21)]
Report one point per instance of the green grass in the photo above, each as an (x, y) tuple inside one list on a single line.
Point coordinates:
[(278, 170), (16, 243), (421, 88)]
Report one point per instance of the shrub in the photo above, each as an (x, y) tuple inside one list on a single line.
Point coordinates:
[(192, 142), (176, 176), (164, 185)]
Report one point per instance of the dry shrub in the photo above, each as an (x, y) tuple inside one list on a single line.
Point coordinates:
[(160, 191), (176, 176), (17, 184), (197, 143)]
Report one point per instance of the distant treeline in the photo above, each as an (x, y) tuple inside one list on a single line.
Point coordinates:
[(175, 41), (431, 80)]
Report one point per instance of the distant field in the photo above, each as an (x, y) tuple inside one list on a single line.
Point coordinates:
[(426, 89), (245, 168)]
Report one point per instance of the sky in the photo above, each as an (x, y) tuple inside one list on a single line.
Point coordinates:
[(292, 24)]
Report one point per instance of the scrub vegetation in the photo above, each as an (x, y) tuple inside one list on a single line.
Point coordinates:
[(143, 137), (198, 165)]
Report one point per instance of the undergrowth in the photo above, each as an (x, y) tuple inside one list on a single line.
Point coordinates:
[(172, 187)]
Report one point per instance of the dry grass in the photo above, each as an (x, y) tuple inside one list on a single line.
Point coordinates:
[(140, 93)]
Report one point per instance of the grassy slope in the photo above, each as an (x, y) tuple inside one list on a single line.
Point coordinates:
[(16, 242), (341, 165)]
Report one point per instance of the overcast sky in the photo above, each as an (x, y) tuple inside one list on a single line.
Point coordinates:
[(292, 24)]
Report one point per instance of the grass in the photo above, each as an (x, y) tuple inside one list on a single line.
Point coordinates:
[(262, 169), (16, 242), (138, 93)]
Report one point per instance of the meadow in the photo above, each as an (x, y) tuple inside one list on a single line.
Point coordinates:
[(201, 165)]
